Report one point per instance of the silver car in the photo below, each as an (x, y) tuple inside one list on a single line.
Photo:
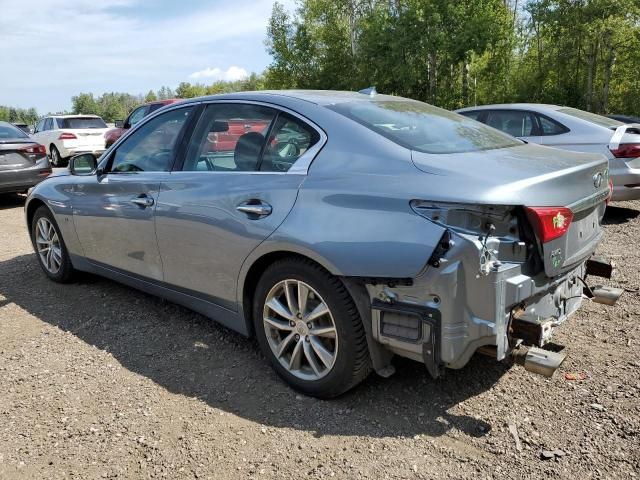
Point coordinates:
[(572, 129), (23, 161), (340, 229)]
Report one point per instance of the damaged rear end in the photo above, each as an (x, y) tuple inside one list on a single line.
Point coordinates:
[(511, 265)]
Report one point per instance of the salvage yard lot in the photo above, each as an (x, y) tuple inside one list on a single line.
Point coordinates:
[(101, 381)]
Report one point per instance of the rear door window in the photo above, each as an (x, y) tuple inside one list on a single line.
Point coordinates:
[(516, 123), (230, 137), (289, 140), (48, 124)]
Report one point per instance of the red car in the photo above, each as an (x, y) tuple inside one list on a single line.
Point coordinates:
[(134, 117), (226, 141)]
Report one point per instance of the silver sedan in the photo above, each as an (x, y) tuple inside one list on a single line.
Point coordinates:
[(339, 228), (572, 129)]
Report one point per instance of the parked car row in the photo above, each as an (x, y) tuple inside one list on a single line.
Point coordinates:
[(342, 229), (572, 129)]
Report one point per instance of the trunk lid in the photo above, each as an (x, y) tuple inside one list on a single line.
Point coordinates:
[(531, 176), (13, 155)]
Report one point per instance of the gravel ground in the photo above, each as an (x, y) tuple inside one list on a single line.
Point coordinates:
[(101, 381)]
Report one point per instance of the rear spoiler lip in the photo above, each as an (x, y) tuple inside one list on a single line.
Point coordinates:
[(619, 132), (590, 201)]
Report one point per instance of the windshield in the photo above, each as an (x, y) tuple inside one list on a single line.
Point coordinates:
[(591, 117), (422, 127), (9, 131), (81, 122)]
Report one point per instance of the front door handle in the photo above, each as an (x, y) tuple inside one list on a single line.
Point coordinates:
[(255, 208), (143, 201)]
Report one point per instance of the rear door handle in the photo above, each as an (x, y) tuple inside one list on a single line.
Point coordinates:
[(255, 208), (143, 201)]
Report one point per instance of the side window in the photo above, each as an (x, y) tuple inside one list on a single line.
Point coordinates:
[(514, 122), (472, 115), (152, 147), (230, 137), (47, 124), (60, 123), (550, 127), (137, 115), (289, 140), (40, 126)]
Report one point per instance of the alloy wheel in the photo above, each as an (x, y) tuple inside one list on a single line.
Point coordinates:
[(300, 329), (48, 245), (55, 157)]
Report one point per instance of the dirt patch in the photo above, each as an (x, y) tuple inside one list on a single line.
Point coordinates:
[(101, 381)]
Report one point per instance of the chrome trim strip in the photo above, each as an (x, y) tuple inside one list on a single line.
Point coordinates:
[(589, 201)]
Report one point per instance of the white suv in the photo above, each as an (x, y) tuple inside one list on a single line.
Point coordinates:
[(68, 135)]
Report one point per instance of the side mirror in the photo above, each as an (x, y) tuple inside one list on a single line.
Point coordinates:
[(119, 123), (83, 164)]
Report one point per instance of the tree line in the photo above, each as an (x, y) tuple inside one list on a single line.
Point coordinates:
[(455, 53), (451, 53)]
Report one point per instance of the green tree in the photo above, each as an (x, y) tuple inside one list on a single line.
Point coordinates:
[(151, 96)]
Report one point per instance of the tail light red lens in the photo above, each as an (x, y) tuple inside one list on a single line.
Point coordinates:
[(627, 150), (35, 149), (610, 192), (67, 136), (550, 222)]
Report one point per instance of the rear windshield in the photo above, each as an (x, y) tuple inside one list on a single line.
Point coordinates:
[(422, 127), (81, 122), (9, 131), (591, 117)]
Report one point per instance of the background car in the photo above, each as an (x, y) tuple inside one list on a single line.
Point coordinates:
[(24, 127), (393, 228), (68, 135), (625, 118), (134, 117), (23, 162), (571, 129)]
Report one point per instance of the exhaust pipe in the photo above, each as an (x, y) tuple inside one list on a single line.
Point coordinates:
[(537, 360)]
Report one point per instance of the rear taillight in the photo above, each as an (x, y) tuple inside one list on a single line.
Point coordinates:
[(550, 222), (627, 150), (67, 136), (35, 149), (610, 192)]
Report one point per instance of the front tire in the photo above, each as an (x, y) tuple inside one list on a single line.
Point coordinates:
[(309, 328), (51, 251)]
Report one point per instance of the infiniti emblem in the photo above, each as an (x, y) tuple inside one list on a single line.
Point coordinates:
[(597, 180)]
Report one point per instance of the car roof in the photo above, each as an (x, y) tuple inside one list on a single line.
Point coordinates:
[(318, 97), (538, 107), (77, 115)]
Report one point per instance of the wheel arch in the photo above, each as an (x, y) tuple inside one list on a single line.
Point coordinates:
[(252, 272), (256, 264), (30, 211)]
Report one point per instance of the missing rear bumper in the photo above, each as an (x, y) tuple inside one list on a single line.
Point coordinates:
[(415, 324)]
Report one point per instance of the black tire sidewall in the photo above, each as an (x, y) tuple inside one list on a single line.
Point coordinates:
[(66, 269), (340, 377)]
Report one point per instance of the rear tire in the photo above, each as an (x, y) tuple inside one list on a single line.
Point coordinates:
[(51, 251), (56, 160), (319, 347)]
